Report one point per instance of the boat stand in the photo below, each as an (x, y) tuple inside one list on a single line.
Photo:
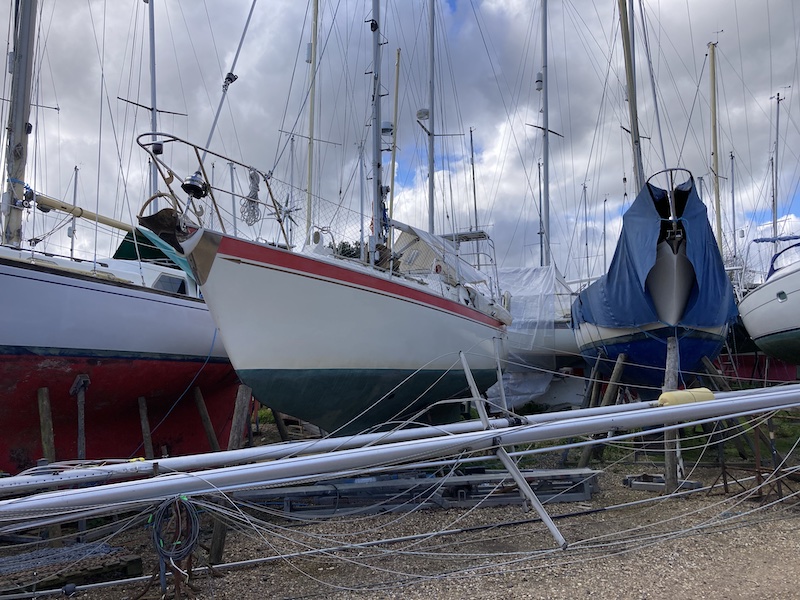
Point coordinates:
[(508, 462)]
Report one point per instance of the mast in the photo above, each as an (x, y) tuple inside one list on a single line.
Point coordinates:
[(605, 261), (775, 172), (18, 126), (472, 165), (712, 61), (289, 203), (361, 196), (638, 170), (431, 42), (394, 132), (377, 178), (311, 94), (474, 193), (586, 229), (74, 207), (733, 211), (393, 161), (153, 107), (545, 211)]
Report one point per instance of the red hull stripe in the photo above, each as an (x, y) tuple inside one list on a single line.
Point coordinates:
[(291, 261)]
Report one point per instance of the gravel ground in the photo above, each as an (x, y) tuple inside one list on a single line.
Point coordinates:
[(623, 544)]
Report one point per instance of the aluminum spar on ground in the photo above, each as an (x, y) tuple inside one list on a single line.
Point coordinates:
[(130, 494), (57, 475)]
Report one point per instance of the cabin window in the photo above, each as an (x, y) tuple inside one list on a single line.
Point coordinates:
[(170, 283), (781, 296)]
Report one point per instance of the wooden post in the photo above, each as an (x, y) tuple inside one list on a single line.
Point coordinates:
[(46, 425), (234, 443), (594, 383), (671, 436), (759, 474), (48, 449), (79, 389), (777, 459), (608, 397), (207, 425), (283, 431), (718, 379), (236, 436), (613, 384), (147, 438)]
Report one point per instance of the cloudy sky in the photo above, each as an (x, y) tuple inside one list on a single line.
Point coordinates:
[(91, 53)]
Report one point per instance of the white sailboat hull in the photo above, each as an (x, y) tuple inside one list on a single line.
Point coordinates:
[(771, 314), (72, 311), (323, 339), (129, 340)]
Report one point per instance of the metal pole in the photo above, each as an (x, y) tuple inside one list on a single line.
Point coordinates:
[(638, 170), (605, 257), (714, 152), (775, 173), (586, 229), (361, 200), (153, 106), (733, 210), (74, 219), (671, 436), (18, 125), (394, 131), (377, 177), (125, 495), (472, 165), (474, 196), (233, 199), (545, 211), (229, 79), (22, 483), (431, 111), (311, 103)]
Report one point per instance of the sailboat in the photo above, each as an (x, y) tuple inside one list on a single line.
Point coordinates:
[(770, 312), (115, 330), (345, 343), (666, 279)]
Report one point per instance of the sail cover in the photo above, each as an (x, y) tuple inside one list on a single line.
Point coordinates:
[(620, 299)]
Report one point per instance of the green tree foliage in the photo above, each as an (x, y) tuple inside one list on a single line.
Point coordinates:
[(347, 249)]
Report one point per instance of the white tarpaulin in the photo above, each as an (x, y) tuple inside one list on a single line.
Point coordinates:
[(531, 335)]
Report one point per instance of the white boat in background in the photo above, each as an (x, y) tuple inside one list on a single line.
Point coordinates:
[(541, 344), (771, 311), (346, 341)]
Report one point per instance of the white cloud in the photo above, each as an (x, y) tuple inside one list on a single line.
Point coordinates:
[(489, 54)]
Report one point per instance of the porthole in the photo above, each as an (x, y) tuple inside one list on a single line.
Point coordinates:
[(781, 296)]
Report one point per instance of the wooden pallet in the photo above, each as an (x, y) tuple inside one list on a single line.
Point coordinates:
[(404, 491)]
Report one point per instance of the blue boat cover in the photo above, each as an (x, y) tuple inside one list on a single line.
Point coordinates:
[(619, 298)]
